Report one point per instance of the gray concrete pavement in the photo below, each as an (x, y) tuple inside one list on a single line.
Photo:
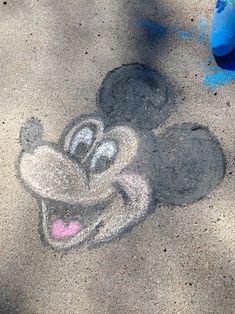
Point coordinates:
[(54, 57)]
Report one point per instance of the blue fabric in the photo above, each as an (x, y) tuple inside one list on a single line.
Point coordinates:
[(222, 36)]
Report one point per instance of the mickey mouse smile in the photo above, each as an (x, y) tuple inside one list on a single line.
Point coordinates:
[(109, 169)]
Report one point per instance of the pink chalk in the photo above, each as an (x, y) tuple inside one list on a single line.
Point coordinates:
[(60, 230)]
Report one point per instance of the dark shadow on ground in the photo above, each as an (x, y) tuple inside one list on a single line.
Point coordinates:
[(150, 34), (10, 300)]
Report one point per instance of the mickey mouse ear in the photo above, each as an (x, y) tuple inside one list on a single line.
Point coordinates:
[(189, 164), (137, 94)]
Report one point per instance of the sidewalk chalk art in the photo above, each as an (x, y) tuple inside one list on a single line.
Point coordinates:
[(109, 170)]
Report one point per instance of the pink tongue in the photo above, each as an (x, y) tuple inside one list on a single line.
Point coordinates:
[(60, 230)]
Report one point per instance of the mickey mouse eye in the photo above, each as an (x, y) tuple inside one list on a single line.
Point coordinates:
[(81, 142), (104, 156)]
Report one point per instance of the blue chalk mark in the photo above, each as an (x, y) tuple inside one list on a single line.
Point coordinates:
[(154, 29), (185, 35), (203, 26), (213, 68), (203, 23), (216, 76), (182, 34), (201, 37)]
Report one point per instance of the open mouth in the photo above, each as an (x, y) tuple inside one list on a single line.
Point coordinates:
[(65, 225), (64, 220)]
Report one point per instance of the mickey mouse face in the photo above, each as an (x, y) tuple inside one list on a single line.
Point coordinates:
[(107, 171), (77, 181)]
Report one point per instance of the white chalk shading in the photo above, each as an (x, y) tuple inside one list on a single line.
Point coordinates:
[(86, 123), (85, 136), (107, 149)]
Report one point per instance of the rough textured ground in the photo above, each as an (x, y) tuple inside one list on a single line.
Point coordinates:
[(54, 56)]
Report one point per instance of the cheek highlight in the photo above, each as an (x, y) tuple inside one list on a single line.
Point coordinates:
[(136, 187)]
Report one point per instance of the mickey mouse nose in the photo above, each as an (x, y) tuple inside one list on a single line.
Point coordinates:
[(31, 134)]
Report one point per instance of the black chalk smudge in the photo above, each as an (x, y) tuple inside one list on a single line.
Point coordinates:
[(137, 94), (189, 164)]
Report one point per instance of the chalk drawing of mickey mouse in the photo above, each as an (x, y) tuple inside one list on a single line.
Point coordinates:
[(109, 169)]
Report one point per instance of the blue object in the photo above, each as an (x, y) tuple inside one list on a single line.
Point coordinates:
[(222, 36), (226, 62)]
